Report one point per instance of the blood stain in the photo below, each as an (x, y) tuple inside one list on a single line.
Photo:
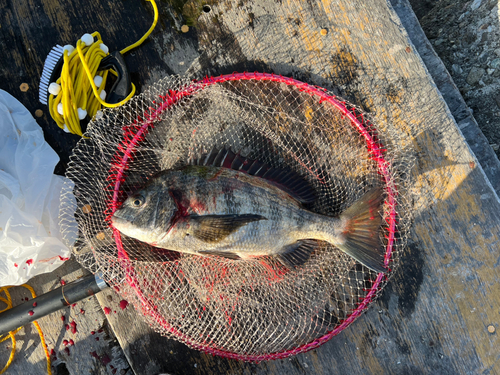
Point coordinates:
[(71, 342), (16, 265), (105, 359), (63, 318), (63, 282), (82, 311), (30, 313), (66, 326), (65, 342), (73, 327), (34, 304), (123, 304), (94, 354), (92, 332), (97, 339), (107, 310), (63, 258), (29, 262), (66, 350)]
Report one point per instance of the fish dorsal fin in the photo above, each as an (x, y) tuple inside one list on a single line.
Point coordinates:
[(214, 228), (286, 180)]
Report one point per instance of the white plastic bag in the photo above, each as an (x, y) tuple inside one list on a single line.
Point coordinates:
[(30, 240)]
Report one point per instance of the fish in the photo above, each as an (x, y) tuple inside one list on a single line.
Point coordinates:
[(226, 205)]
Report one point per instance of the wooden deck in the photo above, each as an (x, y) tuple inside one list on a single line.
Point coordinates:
[(433, 316)]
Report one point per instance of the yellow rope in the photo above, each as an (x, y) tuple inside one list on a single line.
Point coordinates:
[(139, 42), (11, 334), (78, 89)]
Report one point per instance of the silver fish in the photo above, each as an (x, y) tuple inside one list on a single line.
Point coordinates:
[(242, 210)]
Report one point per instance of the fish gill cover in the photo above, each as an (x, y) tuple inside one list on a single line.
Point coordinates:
[(253, 309)]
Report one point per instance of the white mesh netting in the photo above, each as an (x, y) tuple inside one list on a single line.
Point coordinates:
[(247, 309)]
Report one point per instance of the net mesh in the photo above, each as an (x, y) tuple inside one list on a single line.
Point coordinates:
[(247, 309)]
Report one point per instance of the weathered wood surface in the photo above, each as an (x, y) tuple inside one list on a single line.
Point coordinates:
[(433, 315), (95, 354)]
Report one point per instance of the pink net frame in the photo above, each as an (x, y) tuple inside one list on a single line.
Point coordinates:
[(136, 134)]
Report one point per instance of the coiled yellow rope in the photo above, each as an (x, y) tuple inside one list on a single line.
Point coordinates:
[(78, 90), (8, 301)]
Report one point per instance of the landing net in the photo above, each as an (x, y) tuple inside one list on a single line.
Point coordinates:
[(253, 309)]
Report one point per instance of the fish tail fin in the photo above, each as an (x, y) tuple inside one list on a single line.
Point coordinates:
[(361, 232)]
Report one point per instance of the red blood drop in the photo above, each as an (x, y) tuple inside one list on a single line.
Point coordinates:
[(123, 304), (30, 313), (73, 305), (114, 311), (63, 282), (71, 342), (82, 311), (26, 299), (92, 332), (97, 339), (105, 359), (29, 262), (65, 342), (16, 265), (66, 350), (66, 326), (107, 310), (73, 326), (100, 331), (63, 318), (52, 352), (63, 258)]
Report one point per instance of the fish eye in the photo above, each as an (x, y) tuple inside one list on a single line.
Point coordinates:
[(137, 201)]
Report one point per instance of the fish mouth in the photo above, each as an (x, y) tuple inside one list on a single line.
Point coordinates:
[(118, 222)]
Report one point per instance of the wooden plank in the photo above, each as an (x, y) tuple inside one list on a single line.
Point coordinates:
[(433, 316), (97, 353)]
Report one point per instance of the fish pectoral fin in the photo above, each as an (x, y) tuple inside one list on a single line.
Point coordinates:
[(213, 228), (224, 254), (297, 254)]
